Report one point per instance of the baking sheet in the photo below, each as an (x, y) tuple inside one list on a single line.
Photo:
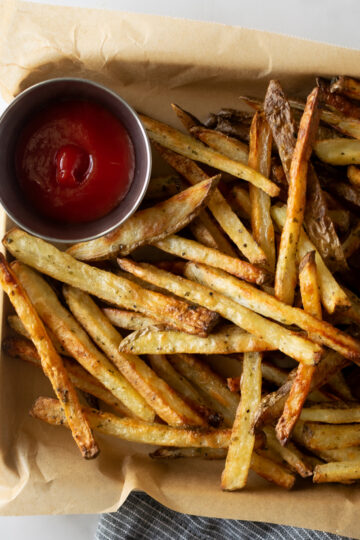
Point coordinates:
[(151, 61)]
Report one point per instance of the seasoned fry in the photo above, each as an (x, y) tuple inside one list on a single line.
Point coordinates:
[(326, 436), (225, 145), (271, 471), (286, 274), (332, 295), (208, 232), (242, 441), (352, 241), (51, 362), (259, 301), (81, 379), (148, 225), (353, 174), (289, 453), (275, 335), (270, 373), (114, 289), (338, 151), (187, 119), (336, 102), (193, 251), (77, 343), (192, 148), (156, 392), (177, 453), (331, 413), (351, 453), (228, 340), (260, 160), (343, 471), (309, 288), (130, 429), (347, 86), (15, 323), (163, 187), (184, 388), (129, 320)]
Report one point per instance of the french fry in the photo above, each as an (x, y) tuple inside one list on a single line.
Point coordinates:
[(156, 392), (271, 471), (270, 373), (331, 413), (242, 441), (181, 453), (327, 436), (208, 233), (336, 102), (338, 471), (348, 86), (309, 288), (351, 453), (352, 241), (129, 320), (224, 144), (192, 148), (289, 453), (260, 160), (286, 272), (241, 200), (332, 295), (81, 379), (219, 207), (193, 251), (51, 362), (187, 119), (162, 187), (353, 174), (183, 387), (275, 335), (259, 301), (228, 340), (77, 343), (130, 429), (113, 289), (148, 225), (15, 323), (338, 151)]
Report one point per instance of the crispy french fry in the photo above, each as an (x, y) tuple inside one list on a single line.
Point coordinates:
[(249, 297), (193, 251), (156, 392), (271, 471), (228, 340), (286, 272), (219, 207), (351, 453), (130, 429), (270, 373), (289, 453), (352, 241), (207, 232), (187, 119), (148, 225), (15, 323), (242, 441), (241, 200), (309, 288), (338, 151), (114, 289), (331, 413), (327, 436), (275, 335), (353, 174), (192, 148), (51, 362), (336, 102), (177, 453), (332, 295), (129, 320), (78, 344), (163, 187), (81, 379), (225, 145), (338, 471), (348, 86), (260, 160), (183, 387)]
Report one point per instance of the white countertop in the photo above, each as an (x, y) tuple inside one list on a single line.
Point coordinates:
[(322, 20)]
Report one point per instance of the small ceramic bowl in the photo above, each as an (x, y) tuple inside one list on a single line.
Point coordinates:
[(11, 123)]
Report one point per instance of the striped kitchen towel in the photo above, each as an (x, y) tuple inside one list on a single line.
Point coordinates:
[(141, 517)]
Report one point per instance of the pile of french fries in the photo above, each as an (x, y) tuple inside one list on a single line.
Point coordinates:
[(255, 240)]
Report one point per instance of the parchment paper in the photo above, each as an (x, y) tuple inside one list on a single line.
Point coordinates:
[(151, 61)]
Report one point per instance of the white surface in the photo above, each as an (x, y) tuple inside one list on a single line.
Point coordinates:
[(332, 21)]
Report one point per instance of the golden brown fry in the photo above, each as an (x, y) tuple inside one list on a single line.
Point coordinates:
[(228, 340), (331, 413), (156, 392), (327, 436), (242, 441), (163, 187), (271, 471), (187, 119), (181, 453), (113, 289), (51, 362), (225, 145), (259, 301), (353, 174), (129, 320), (347, 86), (286, 273), (270, 373), (351, 453), (193, 251), (208, 232), (289, 453), (15, 323), (130, 429), (338, 471), (260, 160), (77, 342), (241, 200), (352, 241), (81, 379), (148, 225), (338, 151), (332, 295), (309, 288), (194, 149), (275, 335)]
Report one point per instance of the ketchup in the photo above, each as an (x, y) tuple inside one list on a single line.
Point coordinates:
[(74, 161)]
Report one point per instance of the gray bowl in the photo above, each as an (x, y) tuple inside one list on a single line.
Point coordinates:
[(11, 123)]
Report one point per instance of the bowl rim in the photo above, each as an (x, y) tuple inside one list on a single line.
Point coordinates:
[(148, 154)]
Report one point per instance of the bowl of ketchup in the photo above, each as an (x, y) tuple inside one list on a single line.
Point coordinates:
[(75, 160)]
